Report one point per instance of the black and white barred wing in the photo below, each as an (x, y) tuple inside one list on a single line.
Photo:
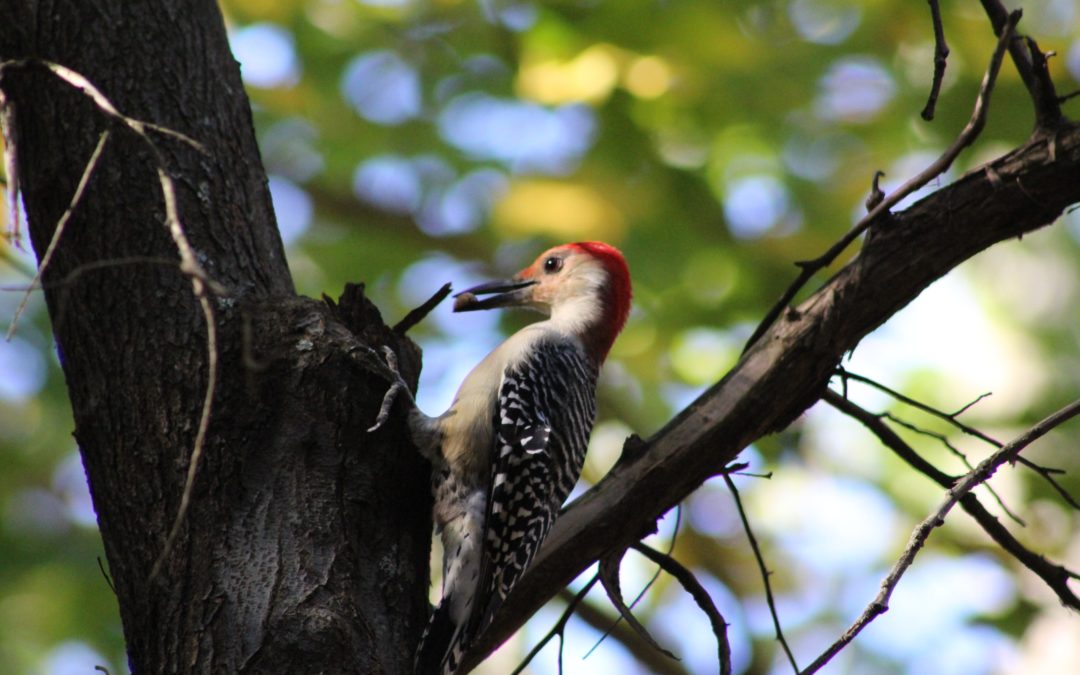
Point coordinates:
[(546, 412)]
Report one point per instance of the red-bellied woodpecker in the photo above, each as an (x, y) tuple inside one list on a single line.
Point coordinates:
[(510, 448)]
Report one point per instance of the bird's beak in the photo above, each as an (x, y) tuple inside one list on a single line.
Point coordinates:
[(505, 293)]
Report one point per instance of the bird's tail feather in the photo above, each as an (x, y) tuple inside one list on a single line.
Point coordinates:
[(442, 643)]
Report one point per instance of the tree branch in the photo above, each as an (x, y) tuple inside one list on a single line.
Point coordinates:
[(979, 475), (967, 136), (765, 573), (1031, 64), (603, 623), (789, 367), (953, 419), (1056, 577), (701, 597), (941, 56)]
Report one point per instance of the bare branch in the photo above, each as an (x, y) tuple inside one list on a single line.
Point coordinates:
[(609, 577), (808, 268), (558, 628), (58, 231), (700, 595), (944, 440), (73, 276), (417, 315), (941, 56), (602, 622), (788, 369), (647, 586), (765, 573), (201, 283), (953, 419), (979, 475), (1031, 64), (1055, 576), (11, 165), (84, 86)]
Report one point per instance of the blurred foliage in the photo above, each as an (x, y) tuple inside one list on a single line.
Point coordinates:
[(411, 143)]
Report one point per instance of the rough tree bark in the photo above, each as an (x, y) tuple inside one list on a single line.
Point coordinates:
[(306, 546)]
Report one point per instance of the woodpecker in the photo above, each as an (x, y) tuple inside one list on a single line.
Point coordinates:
[(510, 448)]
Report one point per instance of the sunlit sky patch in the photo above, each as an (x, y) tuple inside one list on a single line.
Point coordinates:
[(69, 483), (854, 89), (382, 87), (22, 368), (390, 182), (946, 331), (754, 205), (293, 208), (827, 22), (517, 15), (72, 658), (1055, 17), (267, 55), (810, 515), (428, 188), (1072, 60), (386, 3), (527, 137), (817, 156), (936, 597), (463, 205)]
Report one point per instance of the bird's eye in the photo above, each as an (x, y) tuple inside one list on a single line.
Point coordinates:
[(552, 265)]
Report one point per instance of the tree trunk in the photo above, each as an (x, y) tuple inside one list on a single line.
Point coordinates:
[(306, 545)]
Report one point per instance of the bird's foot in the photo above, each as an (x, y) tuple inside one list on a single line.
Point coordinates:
[(398, 385)]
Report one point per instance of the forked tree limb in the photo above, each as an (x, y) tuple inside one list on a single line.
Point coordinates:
[(789, 368)]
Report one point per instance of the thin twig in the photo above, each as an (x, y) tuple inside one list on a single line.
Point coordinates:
[(979, 475), (201, 283), (1046, 473), (609, 577), (83, 85), (74, 275), (765, 573), (1055, 576), (701, 597), (941, 56), (558, 628), (808, 268), (190, 266), (417, 315), (648, 584), (104, 573), (600, 621), (1037, 80), (11, 165), (944, 440), (58, 231), (951, 418)]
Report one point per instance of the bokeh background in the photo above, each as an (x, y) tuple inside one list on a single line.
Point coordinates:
[(410, 143)]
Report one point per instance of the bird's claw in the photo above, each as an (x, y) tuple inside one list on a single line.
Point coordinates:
[(391, 394)]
